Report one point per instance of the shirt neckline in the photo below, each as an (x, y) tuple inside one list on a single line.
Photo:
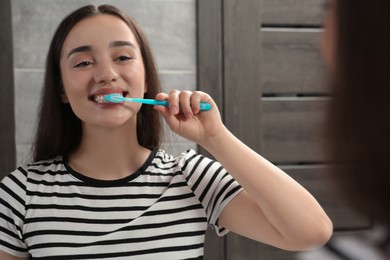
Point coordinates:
[(109, 183)]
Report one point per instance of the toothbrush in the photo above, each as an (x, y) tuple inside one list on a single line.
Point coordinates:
[(118, 98)]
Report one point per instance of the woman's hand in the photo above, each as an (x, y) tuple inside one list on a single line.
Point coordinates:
[(185, 119)]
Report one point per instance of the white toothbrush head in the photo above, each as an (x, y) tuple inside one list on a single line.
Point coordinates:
[(109, 98), (114, 98)]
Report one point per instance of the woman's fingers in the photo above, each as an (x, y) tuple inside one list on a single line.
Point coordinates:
[(186, 103), (173, 100), (196, 98)]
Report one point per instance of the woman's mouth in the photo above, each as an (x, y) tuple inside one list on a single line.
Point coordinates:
[(101, 98)]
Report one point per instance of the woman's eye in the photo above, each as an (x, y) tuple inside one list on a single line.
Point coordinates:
[(124, 58), (83, 64)]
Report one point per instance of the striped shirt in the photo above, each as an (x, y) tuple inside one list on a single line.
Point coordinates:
[(49, 211)]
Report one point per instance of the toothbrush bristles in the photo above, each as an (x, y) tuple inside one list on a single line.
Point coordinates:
[(100, 99)]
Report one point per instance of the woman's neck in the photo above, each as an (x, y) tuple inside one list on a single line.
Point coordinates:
[(108, 153)]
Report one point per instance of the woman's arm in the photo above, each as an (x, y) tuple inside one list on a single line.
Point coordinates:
[(273, 208)]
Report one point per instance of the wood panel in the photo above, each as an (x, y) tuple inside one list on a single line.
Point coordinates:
[(210, 49), (292, 129), (7, 133), (292, 12), (210, 80), (242, 70), (291, 62)]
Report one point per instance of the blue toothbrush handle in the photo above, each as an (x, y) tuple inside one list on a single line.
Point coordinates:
[(203, 106), (150, 101)]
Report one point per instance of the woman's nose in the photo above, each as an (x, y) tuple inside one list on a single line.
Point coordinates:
[(105, 72)]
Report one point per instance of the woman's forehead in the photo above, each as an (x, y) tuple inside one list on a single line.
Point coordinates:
[(101, 29)]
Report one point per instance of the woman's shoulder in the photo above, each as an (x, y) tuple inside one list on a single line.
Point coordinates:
[(46, 162), (48, 165), (15, 183)]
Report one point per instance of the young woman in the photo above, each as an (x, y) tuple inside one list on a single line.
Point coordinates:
[(100, 187)]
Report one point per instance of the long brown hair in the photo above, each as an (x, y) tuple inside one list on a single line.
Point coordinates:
[(359, 118), (59, 130)]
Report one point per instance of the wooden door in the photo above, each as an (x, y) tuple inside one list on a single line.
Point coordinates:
[(261, 62)]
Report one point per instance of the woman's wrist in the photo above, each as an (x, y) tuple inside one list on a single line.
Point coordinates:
[(218, 141)]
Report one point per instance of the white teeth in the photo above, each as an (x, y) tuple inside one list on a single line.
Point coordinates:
[(100, 99)]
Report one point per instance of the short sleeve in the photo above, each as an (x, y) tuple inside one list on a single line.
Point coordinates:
[(211, 183), (12, 212)]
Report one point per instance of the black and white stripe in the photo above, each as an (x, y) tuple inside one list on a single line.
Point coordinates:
[(49, 211)]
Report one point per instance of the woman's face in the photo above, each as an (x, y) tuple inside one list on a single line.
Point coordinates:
[(328, 41), (100, 55)]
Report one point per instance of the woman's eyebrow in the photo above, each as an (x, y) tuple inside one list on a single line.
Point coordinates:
[(121, 43), (88, 48), (84, 48)]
